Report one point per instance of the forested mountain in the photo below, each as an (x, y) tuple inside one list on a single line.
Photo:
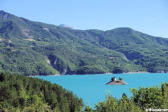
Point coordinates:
[(35, 48)]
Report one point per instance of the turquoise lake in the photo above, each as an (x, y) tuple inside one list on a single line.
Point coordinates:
[(92, 88)]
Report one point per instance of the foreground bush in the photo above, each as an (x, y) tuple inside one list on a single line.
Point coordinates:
[(142, 99)]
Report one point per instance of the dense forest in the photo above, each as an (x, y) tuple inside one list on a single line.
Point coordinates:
[(35, 48), (25, 94), (19, 93)]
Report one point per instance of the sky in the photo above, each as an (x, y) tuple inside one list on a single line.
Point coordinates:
[(148, 16)]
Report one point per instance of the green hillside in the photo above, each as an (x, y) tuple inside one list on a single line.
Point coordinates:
[(34, 48), (25, 94)]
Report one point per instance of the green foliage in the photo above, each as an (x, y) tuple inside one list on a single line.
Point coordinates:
[(25, 94), (113, 105), (142, 99), (148, 97), (34, 48), (88, 109)]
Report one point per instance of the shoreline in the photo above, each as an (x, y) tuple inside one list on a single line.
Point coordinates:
[(108, 73), (43, 75), (137, 72)]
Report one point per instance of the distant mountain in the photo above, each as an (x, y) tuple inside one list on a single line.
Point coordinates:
[(65, 26), (35, 48)]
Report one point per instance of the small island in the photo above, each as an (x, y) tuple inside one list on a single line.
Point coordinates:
[(116, 82)]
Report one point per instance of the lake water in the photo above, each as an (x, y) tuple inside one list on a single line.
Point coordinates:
[(92, 88)]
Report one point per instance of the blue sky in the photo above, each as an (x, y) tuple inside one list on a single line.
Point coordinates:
[(148, 16)]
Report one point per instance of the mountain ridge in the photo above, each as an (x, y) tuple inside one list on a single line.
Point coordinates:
[(36, 48)]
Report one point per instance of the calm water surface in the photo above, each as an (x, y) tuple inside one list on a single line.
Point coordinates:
[(92, 88)]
